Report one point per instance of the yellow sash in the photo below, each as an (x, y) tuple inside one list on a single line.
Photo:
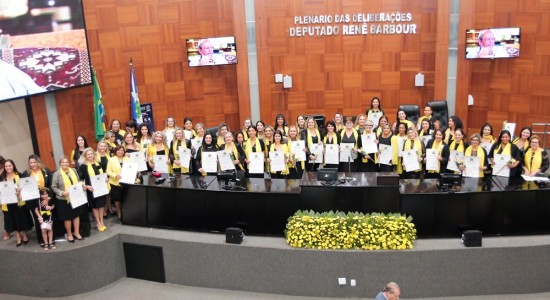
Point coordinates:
[(67, 182), (286, 153), (533, 161), (248, 147), (460, 147), (416, 145), (175, 151), (480, 154), (310, 138), (438, 145)]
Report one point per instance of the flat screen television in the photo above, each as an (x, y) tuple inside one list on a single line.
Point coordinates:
[(489, 43), (213, 51), (43, 48)]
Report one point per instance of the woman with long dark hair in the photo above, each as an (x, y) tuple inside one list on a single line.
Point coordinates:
[(18, 213), (442, 150), (114, 169), (81, 144), (280, 124), (331, 138), (208, 145), (454, 124), (375, 111), (504, 146), (253, 145)]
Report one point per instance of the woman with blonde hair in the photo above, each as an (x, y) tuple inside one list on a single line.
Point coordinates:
[(179, 142), (88, 169), (159, 147), (114, 169)]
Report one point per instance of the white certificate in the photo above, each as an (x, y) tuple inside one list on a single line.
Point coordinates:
[(139, 159), (29, 188), (225, 160), (400, 142), (374, 116), (277, 161), (432, 160), (298, 150), (425, 139), (317, 150), (129, 172), (501, 165), (346, 152), (385, 155), (410, 160), (510, 127), (256, 163), (455, 159), (195, 145), (169, 136), (77, 195), (471, 166), (486, 146), (184, 157), (99, 183), (160, 163), (369, 143), (209, 162), (8, 193), (331, 154)]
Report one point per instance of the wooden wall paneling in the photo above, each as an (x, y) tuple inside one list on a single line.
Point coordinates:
[(442, 49), (42, 128)]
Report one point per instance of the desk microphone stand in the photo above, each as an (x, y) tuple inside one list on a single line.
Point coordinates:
[(349, 178)]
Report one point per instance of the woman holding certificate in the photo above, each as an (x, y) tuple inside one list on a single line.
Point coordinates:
[(179, 143), (360, 123), (130, 144), (157, 154), (454, 124), (385, 148), (254, 149), (119, 133), (339, 122), (504, 155), (62, 179), (143, 136), (375, 111), (402, 118), (397, 142), (426, 131), (196, 143), (314, 145), (230, 148), (43, 178), (220, 134), (369, 149), (413, 155), (536, 158), (475, 159), (456, 150), (522, 142), (296, 169), (350, 142), (332, 142), (188, 131), (279, 155), (18, 216), (206, 162), (88, 169), (81, 144), (437, 155), (114, 170), (168, 130), (280, 124)]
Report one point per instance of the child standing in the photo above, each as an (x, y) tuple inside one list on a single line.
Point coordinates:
[(44, 213)]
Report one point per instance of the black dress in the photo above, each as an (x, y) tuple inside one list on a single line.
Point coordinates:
[(385, 141), (83, 172), (33, 203), (205, 148), (352, 166), (19, 218)]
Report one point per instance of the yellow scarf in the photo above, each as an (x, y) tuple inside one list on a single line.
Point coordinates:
[(310, 138), (286, 153), (219, 141), (489, 137), (245, 134), (289, 145), (175, 152), (460, 147), (506, 151), (67, 182), (20, 202), (438, 145), (416, 145), (533, 161), (448, 136), (480, 154), (365, 158), (355, 135), (525, 145), (235, 154), (334, 139), (91, 172), (340, 127), (39, 179), (248, 147)]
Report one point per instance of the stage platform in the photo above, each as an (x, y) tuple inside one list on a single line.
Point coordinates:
[(434, 268)]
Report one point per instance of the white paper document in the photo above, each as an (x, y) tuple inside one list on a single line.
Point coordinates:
[(298, 150), (369, 143), (226, 160), (160, 163), (432, 160), (471, 166), (129, 172), (7, 192), (196, 143), (400, 142), (317, 150), (501, 165), (374, 116), (346, 152), (410, 160), (331, 154), (77, 195), (385, 155), (455, 159), (209, 162), (99, 183), (277, 161), (425, 139), (256, 163), (29, 188), (139, 159), (184, 157), (486, 146)]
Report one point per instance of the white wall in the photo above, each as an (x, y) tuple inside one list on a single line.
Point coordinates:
[(15, 138)]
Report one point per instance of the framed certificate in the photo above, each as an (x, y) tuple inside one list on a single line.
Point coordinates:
[(346, 152), (455, 159), (29, 188), (139, 159), (385, 154), (501, 165), (184, 157)]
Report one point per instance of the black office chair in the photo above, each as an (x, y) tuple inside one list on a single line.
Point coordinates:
[(412, 112), (440, 112), (213, 131)]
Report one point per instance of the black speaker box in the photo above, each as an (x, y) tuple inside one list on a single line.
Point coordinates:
[(471, 238), (234, 235)]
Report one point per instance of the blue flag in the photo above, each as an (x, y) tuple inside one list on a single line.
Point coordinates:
[(99, 110), (134, 98)]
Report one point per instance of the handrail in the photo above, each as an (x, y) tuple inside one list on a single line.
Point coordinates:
[(543, 133)]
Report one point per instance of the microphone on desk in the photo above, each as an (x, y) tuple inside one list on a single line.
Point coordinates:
[(349, 178)]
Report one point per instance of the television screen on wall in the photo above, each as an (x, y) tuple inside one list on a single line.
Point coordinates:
[(212, 51), (491, 43), (43, 48)]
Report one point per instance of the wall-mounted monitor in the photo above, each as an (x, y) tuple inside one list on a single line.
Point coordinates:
[(43, 48), (212, 51), (489, 43)]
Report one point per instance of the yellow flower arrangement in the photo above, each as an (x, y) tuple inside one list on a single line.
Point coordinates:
[(353, 230)]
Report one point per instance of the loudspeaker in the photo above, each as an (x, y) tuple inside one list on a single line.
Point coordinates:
[(234, 235), (471, 238)]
